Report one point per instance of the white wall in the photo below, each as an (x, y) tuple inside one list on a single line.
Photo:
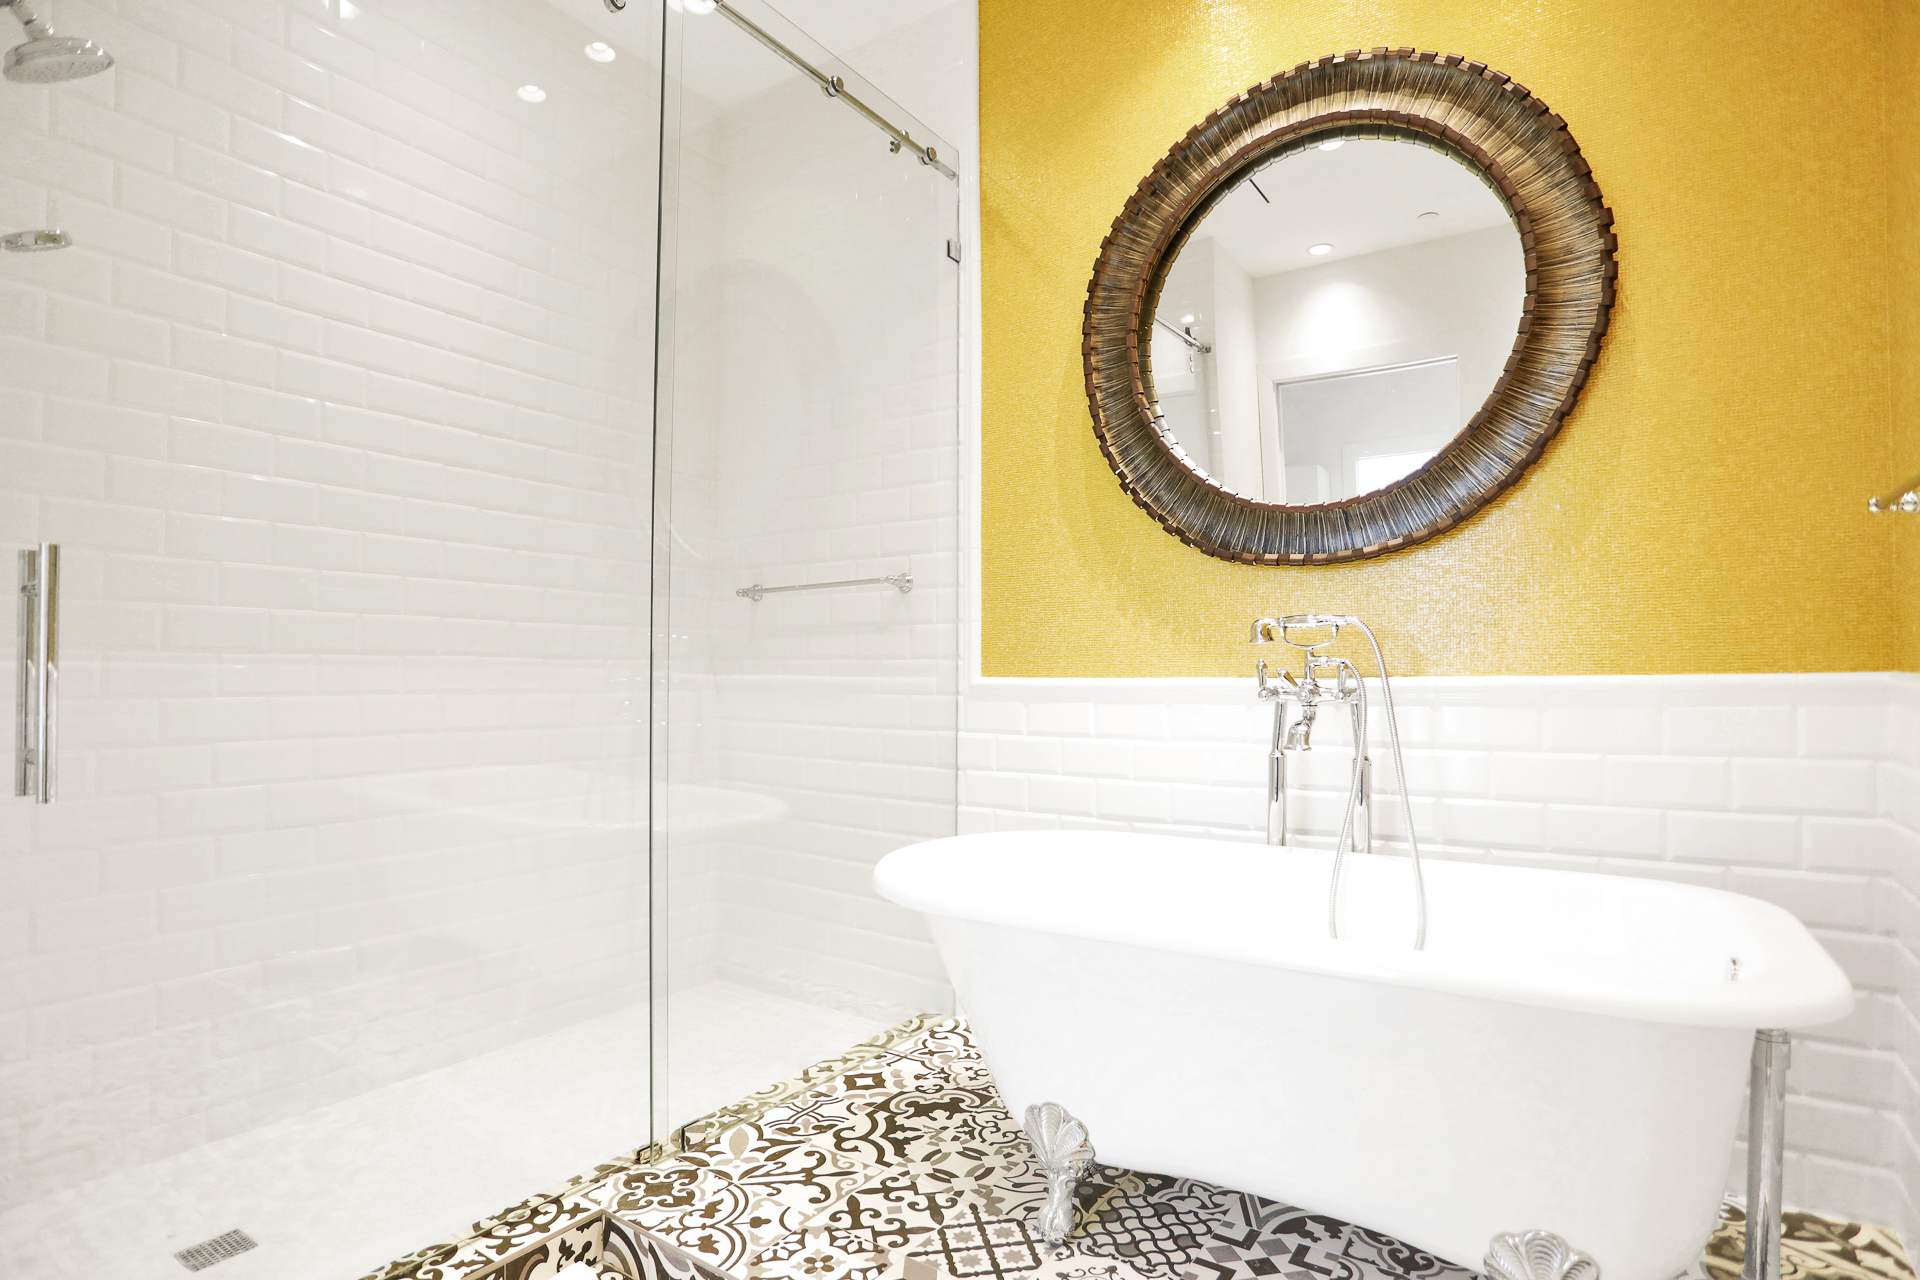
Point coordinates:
[(1210, 400), (1184, 379), (339, 409), (1897, 908), (1459, 296), (1797, 789), (1236, 389)]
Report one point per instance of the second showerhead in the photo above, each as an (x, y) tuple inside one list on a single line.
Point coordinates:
[(47, 58)]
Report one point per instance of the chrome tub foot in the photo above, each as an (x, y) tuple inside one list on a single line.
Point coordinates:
[(1060, 1145), (1536, 1255)]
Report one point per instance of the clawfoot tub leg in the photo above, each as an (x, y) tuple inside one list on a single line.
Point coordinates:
[(1536, 1255), (1766, 1152), (1060, 1144)]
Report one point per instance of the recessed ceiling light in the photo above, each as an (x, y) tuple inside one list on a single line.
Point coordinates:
[(1334, 145), (532, 93), (1187, 319), (1318, 250), (601, 51)]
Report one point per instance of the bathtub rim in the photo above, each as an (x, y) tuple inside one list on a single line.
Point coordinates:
[(1801, 987)]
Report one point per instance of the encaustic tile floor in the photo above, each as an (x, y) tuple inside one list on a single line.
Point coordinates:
[(897, 1161)]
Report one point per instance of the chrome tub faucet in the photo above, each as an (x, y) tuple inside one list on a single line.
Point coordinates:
[(1329, 679), (1323, 679)]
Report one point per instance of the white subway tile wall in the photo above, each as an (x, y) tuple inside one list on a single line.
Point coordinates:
[(339, 408), (1801, 789), (1897, 913), (814, 438)]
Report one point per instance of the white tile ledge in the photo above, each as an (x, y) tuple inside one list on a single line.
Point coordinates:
[(1839, 687)]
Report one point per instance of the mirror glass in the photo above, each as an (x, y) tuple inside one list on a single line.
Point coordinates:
[(1335, 319)]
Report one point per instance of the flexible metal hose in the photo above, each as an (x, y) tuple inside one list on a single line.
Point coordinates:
[(1353, 797), (1353, 807)]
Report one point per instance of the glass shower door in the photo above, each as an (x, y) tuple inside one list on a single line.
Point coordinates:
[(809, 436), (339, 411)]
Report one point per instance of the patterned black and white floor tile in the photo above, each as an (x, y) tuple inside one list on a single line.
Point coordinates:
[(1255, 1238), (1154, 1223), (899, 1162), (1812, 1249)]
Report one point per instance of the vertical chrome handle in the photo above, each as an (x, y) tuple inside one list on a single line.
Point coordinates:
[(36, 748)]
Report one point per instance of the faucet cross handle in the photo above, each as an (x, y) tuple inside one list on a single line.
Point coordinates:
[(1280, 686)]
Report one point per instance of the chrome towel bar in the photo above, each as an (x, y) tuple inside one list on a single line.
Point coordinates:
[(903, 581)]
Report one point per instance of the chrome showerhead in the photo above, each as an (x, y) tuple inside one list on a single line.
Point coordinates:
[(55, 58), (47, 58)]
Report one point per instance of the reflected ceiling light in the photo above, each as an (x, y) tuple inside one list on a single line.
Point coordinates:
[(1334, 145), (601, 51), (1319, 250), (1187, 319), (532, 93), (694, 6)]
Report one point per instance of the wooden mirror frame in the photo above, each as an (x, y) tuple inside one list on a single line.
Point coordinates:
[(1520, 148)]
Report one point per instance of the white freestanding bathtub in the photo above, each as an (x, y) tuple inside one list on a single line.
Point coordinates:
[(1568, 1053)]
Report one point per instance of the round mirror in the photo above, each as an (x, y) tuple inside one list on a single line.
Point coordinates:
[(1348, 309), (1337, 316)]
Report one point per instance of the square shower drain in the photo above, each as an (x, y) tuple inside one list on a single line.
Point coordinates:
[(200, 1256)]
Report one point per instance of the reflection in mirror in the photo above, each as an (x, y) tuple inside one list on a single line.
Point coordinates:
[(1336, 319)]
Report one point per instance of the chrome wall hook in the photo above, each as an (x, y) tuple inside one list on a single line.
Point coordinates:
[(1904, 499), (34, 241)]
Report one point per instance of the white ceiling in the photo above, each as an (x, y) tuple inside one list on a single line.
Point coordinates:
[(1365, 196)]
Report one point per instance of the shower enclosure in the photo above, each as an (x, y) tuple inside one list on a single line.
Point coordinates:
[(424, 789), (806, 579)]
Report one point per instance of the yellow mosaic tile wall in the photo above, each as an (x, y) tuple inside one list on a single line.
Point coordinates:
[(1903, 169), (1703, 511)]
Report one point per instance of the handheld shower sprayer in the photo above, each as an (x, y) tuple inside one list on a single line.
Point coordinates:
[(1312, 688), (46, 58)]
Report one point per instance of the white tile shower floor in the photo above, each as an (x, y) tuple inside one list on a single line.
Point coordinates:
[(339, 1191)]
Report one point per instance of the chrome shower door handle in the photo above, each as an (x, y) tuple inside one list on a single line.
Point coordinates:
[(36, 746)]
